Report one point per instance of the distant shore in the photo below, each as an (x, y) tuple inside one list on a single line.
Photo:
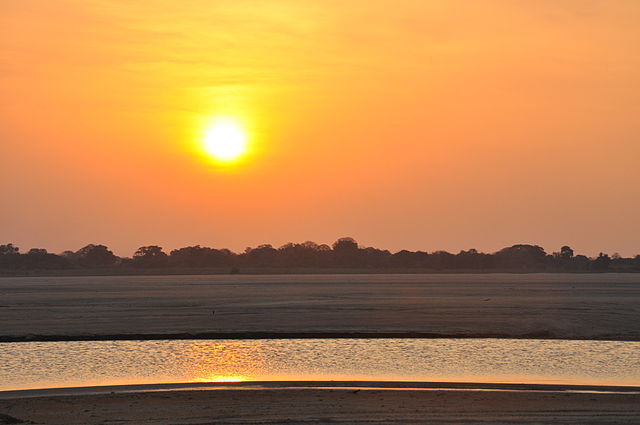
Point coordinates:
[(344, 256), (279, 271)]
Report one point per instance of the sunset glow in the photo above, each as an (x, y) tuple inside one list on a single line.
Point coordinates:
[(355, 211), (225, 140), (221, 378), (404, 124)]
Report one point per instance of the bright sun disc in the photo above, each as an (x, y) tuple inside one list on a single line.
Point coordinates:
[(225, 140)]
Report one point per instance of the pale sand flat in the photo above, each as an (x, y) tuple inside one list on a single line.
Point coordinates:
[(569, 306)]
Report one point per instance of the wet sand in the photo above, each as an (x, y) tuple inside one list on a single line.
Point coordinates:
[(568, 306), (335, 406)]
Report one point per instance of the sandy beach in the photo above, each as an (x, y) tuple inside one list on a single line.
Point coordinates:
[(328, 405), (569, 306)]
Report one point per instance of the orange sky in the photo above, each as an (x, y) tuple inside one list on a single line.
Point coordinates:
[(413, 124)]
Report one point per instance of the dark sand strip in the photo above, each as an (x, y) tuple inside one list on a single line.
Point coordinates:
[(398, 385), (303, 335), (335, 406)]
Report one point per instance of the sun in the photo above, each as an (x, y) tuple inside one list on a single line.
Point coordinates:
[(226, 139)]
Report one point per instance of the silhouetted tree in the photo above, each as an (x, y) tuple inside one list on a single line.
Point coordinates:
[(345, 245), (39, 258), (472, 259), (197, 256), (263, 255), (9, 256), (563, 260), (566, 253), (374, 258), (307, 254), (345, 252), (410, 259), (94, 256), (521, 256), (443, 260), (579, 263), (9, 249), (150, 256), (601, 263)]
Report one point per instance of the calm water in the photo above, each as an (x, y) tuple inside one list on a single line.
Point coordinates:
[(61, 364)]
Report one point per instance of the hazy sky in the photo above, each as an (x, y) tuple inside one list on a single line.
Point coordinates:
[(415, 124)]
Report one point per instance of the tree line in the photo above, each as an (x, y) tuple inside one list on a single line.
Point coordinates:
[(345, 253)]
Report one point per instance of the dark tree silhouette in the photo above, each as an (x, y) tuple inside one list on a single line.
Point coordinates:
[(40, 259), (9, 249), (373, 257), (263, 255), (10, 257), (150, 256), (443, 260), (601, 263), (307, 254), (522, 256), (345, 245), (344, 253), (94, 256), (473, 260), (566, 253), (410, 259), (197, 256)]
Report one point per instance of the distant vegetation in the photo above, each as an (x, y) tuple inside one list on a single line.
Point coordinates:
[(344, 254)]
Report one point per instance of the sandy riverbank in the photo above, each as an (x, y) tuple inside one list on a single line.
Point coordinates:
[(509, 306), (328, 405)]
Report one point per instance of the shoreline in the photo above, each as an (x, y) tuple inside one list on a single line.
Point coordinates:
[(318, 385), (293, 271), (304, 335)]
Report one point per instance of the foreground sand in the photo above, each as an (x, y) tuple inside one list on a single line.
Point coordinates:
[(341, 406), (593, 306)]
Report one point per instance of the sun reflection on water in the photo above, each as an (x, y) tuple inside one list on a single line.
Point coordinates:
[(58, 364), (221, 378)]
